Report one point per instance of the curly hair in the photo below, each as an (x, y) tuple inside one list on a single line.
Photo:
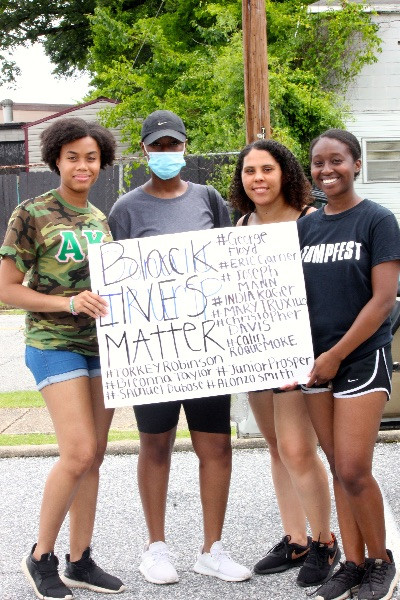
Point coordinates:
[(66, 130), (347, 138), (296, 188)]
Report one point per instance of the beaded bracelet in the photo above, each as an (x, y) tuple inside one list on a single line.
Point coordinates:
[(72, 307)]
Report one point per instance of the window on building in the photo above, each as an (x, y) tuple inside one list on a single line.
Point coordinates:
[(381, 160)]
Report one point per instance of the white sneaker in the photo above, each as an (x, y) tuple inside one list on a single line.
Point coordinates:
[(218, 563), (156, 565)]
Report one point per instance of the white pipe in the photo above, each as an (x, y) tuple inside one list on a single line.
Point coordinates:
[(7, 110)]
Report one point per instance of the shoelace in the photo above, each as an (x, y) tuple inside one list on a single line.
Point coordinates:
[(162, 555), (318, 554), (375, 572), (284, 543), (221, 555)]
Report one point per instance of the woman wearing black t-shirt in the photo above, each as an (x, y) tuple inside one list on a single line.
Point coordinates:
[(350, 253)]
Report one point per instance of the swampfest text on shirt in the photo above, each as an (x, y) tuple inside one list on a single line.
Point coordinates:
[(201, 313)]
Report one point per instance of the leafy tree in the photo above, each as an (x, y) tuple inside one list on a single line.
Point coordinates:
[(186, 55), (62, 26), (188, 58)]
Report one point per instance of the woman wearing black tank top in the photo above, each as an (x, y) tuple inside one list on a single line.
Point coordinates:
[(269, 186)]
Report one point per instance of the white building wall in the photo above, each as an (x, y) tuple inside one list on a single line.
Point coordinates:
[(374, 100), (377, 125), (377, 87)]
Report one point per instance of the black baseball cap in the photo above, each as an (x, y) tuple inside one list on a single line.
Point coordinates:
[(160, 123)]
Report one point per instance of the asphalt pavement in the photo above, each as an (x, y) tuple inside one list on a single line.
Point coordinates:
[(252, 523)]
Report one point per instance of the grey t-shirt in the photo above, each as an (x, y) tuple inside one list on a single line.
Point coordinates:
[(137, 214)]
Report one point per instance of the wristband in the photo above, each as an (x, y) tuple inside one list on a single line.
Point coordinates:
[(72, 307)]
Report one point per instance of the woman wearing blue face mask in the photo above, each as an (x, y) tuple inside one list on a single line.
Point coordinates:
[(168, 204)]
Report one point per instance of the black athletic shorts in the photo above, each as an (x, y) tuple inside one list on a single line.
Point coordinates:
[(370, 373), (209, 415)]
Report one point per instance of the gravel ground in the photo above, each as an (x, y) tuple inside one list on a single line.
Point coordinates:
[(252, 525)]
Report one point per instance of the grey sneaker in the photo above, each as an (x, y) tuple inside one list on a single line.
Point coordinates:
[(43, 576), (380, 579), (343, 583)]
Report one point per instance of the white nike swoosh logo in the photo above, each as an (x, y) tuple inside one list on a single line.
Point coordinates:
[(351, 380), (163, 123)]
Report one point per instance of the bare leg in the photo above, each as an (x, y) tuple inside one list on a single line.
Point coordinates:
[(347, 429), (360, 418), (215, 455), (153, 475), (70, 407), (321, 411), (83, 508), (290, 507), (297, 444)]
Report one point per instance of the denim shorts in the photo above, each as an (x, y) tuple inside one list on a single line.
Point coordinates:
[(53, 366)]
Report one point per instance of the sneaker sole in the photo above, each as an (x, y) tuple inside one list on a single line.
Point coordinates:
[(89, 586), (304, 584), (392, 586), (347, 594), (156, 581), (25, 570), (198, 568)]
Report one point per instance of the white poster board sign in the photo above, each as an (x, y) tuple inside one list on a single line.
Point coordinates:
[(201, 314)]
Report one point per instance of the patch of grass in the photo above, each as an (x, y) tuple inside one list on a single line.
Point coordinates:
[(23, 399), (38, 439), (29, 439), (118, 435)]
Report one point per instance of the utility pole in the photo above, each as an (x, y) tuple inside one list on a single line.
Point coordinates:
[(256, 91)]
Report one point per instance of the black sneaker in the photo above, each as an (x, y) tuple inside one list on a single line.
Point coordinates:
[(380, 579), (43, 576), (84, 573), (283, 556), (342, 584), (319, 564)]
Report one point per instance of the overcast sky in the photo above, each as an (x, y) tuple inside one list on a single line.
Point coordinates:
[(37, 84)]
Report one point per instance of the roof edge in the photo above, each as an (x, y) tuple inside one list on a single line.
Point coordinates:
[(71, 109)]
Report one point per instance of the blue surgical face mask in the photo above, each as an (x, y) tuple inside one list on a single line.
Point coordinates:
[(166, 165)]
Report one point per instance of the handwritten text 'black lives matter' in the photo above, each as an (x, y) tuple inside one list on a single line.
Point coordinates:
[(201, 313)]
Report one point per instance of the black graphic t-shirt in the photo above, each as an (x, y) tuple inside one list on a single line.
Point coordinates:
[(338, 253)]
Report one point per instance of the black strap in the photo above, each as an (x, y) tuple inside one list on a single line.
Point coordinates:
[(303, 212), (246, 219), (212, 195)]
